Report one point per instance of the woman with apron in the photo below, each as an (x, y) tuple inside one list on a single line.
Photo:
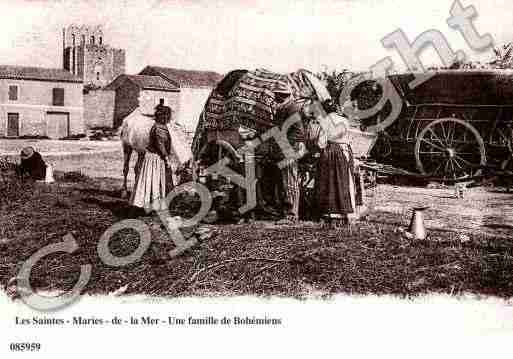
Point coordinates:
[(334, 184), (154, 180)]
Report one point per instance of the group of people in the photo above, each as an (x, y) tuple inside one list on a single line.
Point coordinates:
[(335, 195), (334, 192)]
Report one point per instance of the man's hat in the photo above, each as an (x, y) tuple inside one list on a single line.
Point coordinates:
[(27, 152)]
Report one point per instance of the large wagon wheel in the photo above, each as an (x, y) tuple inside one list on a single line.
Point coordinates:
[(449, 148)]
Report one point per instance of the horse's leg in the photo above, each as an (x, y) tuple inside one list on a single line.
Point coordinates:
[(127, 153)]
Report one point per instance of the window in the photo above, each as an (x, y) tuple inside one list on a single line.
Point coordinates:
[(13, 93), (92, 40), (98, 70), (101, 40), (83, 39), (73, 38), (58, 97)]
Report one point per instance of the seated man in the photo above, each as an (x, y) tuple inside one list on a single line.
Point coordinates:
[(32, 164)]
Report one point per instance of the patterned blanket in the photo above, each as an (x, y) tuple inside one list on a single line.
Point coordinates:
[(253, 101)]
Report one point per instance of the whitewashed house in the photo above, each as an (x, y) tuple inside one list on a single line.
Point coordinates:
[(195, 87)]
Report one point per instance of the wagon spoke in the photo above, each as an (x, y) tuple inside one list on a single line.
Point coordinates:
[(433, 145), (443, 132), (453, 169), (458, 172), (465, 161), (436, 137), (448, 132), (464, 170), (457, 163), (436, 170), (452, 133)]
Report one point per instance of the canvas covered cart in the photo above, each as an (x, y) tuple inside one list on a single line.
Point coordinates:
[(241, 109)]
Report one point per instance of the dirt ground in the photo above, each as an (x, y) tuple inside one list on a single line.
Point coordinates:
[(488, 211), (483, 210), (46, 147), (98, 159)]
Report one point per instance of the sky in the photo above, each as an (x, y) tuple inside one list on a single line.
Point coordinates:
[(279, 35)]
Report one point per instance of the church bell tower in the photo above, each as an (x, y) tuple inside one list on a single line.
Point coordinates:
[(87, 55)]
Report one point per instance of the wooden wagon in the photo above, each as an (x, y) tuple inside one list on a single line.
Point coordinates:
[(452, 126)]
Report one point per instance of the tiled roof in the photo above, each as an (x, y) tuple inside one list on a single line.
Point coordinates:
[(37, 73), (152, 83), (185, 78), (144, 82)]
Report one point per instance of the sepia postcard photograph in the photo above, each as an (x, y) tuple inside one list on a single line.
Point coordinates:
[(252, 178)]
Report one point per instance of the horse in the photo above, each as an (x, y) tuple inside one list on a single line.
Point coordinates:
[(135, 136)]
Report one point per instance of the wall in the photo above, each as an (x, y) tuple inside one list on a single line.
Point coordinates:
[(99, 108), (35, 100), (32, 92), (148, 99), (118, 63), (192, 102), (126, 101), (110, 62)]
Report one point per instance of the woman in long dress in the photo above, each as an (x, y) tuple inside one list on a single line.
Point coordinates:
[(154, 177), (335, 183)]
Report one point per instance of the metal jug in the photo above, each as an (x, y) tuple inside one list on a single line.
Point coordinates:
[(417, 227)]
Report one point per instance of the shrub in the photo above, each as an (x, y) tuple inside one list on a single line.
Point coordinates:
[(33, 137), (74, 137)]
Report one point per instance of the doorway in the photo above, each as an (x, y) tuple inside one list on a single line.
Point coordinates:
[(57, 124), (13, 124)]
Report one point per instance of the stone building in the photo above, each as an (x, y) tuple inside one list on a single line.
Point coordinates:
[(37, 101), (144, 93), (110, 95), (87, 54), (185, 91)]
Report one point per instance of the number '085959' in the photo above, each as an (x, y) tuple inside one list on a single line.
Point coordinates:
[(25, 347)]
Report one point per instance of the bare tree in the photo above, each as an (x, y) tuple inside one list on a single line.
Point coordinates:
[(335, 80)]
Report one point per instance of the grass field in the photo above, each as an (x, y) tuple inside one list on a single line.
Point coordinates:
[(261, 258)]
